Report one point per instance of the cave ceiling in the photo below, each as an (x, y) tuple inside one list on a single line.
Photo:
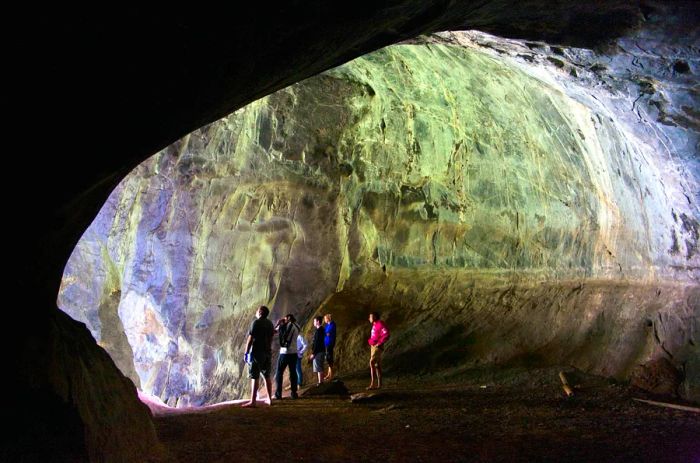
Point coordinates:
[(159, 74)]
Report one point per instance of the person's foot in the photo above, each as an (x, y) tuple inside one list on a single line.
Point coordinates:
[(371, 387), (295, 395), (248, 405), (277, 397)]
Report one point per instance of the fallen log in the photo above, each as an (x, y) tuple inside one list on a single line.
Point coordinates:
[(668, 405)]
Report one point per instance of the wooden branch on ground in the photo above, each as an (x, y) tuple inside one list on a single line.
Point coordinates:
[(565, 384), (685, 408)]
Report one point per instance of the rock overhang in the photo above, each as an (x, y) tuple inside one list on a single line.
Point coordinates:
[(417, 157)]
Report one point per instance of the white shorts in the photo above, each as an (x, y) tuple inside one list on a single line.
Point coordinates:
[(318, 362)]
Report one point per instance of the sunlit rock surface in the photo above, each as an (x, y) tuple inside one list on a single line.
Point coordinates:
[(489, 215)]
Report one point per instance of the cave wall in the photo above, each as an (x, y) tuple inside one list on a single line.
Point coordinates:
[(67, 410), (78, 81), (450, 323), (396, 181)]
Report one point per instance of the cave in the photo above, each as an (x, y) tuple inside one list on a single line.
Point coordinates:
[(513, 185)]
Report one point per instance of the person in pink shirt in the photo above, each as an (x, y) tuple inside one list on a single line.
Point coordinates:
[(377, 338)]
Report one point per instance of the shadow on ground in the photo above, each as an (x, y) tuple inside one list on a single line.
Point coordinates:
[(497, 415)]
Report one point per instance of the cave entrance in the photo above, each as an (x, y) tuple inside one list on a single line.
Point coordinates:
[(457, 190)]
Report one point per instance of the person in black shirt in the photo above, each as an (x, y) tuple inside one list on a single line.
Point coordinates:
[(318, 348), (258, 353)]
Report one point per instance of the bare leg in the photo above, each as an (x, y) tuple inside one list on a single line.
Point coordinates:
[(253, 394), (320, 378), (372, 374), (378, 374), (268, 386), (329, 376)]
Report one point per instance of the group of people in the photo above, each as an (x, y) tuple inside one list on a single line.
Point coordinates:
[(258, 352)]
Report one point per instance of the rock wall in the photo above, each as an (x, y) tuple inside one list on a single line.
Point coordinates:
[(473, 319), (490, 216), (73, 410)]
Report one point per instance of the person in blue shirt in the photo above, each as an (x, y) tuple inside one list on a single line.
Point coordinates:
[(329, 342)]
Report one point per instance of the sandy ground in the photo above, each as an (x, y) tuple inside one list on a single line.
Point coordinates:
[(507, 416)]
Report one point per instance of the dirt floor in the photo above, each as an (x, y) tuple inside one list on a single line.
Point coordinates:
[(483, 416)]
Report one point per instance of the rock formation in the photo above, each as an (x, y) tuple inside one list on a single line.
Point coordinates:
[(497, 207)]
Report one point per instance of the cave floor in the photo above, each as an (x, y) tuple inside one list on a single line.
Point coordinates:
[(439, 419)]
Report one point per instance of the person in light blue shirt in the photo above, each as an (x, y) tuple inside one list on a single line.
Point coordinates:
[(301, 348)]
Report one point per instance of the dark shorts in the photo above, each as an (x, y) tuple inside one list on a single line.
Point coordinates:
[(329, 355), (261, 364)]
